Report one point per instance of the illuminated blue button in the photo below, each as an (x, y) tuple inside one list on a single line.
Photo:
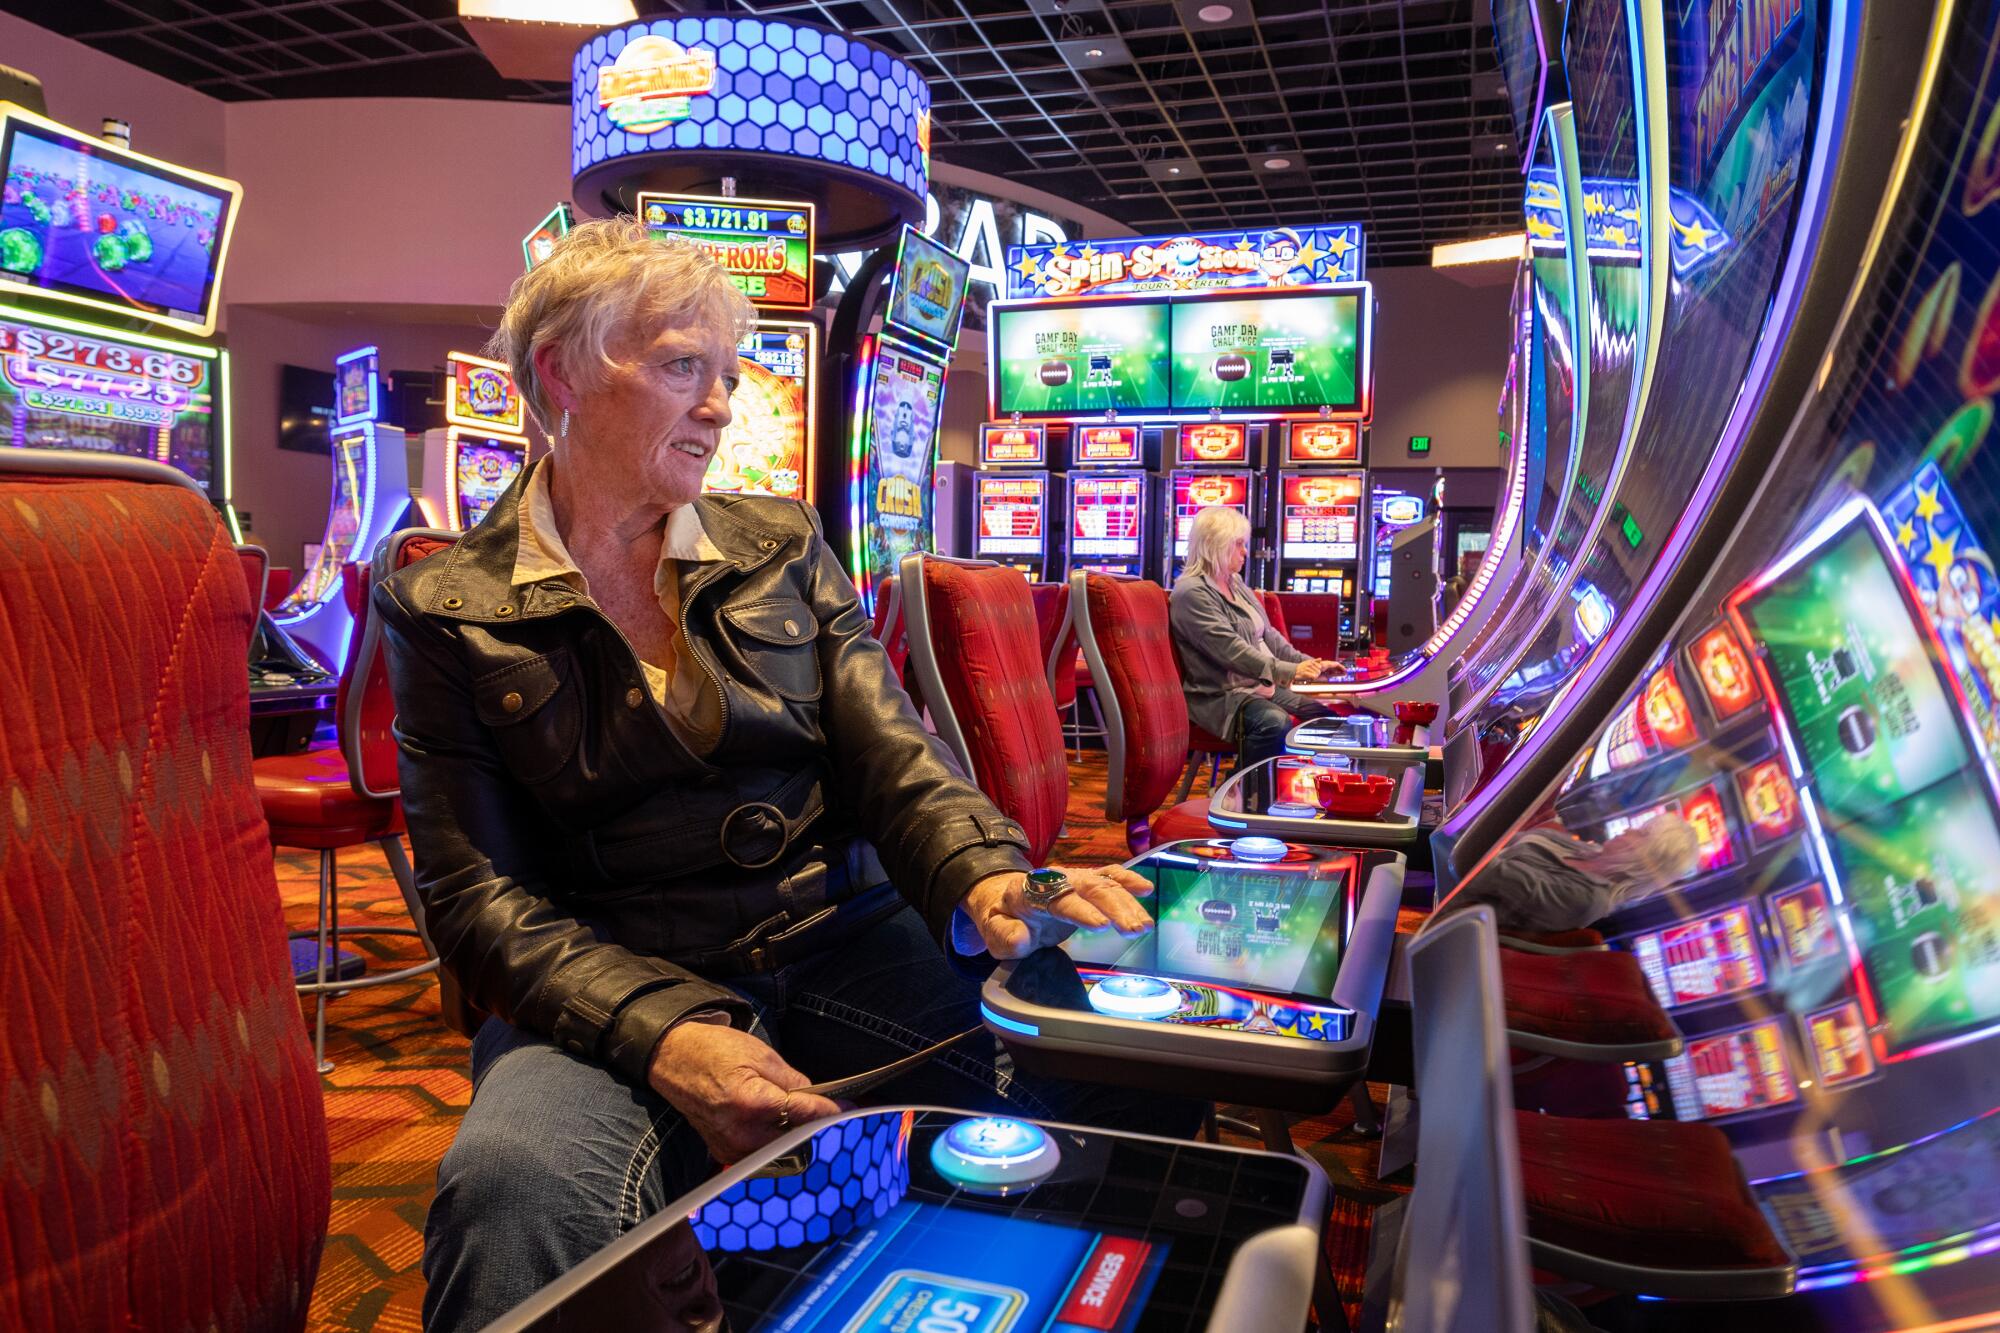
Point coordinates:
[(994, 1154), (1135, 997), (1257, 849), (1284, 810)]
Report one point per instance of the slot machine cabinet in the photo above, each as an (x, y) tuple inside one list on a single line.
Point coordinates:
[(1020, 501), (469, 463), (1216, 463), (1319, 515), (1113, 497)]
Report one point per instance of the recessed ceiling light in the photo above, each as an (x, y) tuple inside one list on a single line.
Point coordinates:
[(1173, 171), (1095, 53), (1276, 163), (1215, 13), (1502, 146)]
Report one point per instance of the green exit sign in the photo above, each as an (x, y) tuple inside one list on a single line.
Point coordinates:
[(1420, 444)]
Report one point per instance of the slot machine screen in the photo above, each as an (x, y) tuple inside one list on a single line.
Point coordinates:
[(1073, 360), (1733, 1073), (765, 245), (1702, 959), (766, 449), (1723, 668), (1106, 514), (1194, 492), (1212, 443), (1837, 1036), (1003, 445), (482, 472), (1856, 674), (104, 227), (1322, 518), (1013, 514), (1655, 722), (1802, 924), (927, 291), (70, 387), (903, 401), (1277, 352)]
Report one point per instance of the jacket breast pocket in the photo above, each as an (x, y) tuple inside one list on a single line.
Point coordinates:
[(776, 639), (535, 713)]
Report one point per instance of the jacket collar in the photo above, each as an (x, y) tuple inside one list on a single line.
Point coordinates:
[(477, 581)]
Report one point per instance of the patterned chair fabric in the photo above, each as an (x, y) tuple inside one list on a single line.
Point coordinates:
[(163, 1149), (1274, 611), (256, 563), (1052, 619), (994, 684), (1128, 619)]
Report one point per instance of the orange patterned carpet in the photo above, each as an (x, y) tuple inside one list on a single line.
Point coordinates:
[(400, 1083)]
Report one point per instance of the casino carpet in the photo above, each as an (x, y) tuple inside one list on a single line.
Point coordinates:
[(400, 1083)]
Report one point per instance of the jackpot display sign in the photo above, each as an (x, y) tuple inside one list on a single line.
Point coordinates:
[(765, 245), (1314, 443), (905, 392), (1003, 445), (1107, 446), (1280, 257), (767, 448), (1079, 360), (67, 386), (1215, 442), (1269, 353)]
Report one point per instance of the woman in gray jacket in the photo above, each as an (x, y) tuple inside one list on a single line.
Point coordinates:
[(1237, 669)]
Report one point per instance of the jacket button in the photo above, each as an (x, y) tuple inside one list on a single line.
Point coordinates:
[(510, 702), (453, 603), (792, 628), (633, 698), (503, 610), (767, 545)]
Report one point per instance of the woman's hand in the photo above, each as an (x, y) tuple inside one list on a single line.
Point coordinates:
[(1012, 927), (736, 1091)]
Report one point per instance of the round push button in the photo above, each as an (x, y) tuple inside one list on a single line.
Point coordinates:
[(1133, 996), (1254, 848), (994, 1155)]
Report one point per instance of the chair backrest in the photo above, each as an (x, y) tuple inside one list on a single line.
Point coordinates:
[(1122, 625), (976, 652), (256, 563), (168, 1167), (1312, 621), (1462, 1258), (1058, 631), (366, 709), (1274, 611)]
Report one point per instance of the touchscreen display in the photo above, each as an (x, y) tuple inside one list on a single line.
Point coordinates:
[(1247, 946)]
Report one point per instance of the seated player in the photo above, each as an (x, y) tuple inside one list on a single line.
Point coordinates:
[(649, 754), (1236, 668)]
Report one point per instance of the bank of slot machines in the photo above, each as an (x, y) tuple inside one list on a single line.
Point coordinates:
[(1216, 463), (1018, 501), (1113, 485)]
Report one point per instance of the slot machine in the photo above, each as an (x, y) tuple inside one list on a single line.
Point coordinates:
[(370, 495), (1214, 466), (1112, 497), (1318, 513), (469, 463), (1019, 503)]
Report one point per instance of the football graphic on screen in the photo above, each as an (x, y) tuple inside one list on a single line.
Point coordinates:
[(1231, 367), (1055, 374)]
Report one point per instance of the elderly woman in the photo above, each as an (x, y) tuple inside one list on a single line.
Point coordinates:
[(1237, 669), (677, 829)]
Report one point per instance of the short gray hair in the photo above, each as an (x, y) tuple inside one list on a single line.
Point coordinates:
[(1213, 529), (597, 283)]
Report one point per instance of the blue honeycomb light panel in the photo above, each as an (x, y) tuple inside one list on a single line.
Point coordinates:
[(860, 1170), (767, 73)]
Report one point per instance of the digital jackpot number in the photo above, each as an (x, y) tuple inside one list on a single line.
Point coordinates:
[(90, 354), (702, 218)]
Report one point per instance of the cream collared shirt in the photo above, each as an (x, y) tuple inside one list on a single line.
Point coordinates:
[(680, 687)]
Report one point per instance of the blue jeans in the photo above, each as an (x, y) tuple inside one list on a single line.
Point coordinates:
[(556, 1157), (1266, 722)]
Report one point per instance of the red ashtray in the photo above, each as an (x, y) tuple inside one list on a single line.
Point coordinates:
[(1416, 712), (1354, 795)]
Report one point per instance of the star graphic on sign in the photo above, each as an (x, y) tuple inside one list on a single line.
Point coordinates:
[(1928, 507), (1906, 534), (1993, 623), (1593, 204), (1338, 247), (1315, 1024), (1942, 555), (1617, 236), (1309, 257), (1027, 267), (1694, 234), (1089, 251), (1541, 228)]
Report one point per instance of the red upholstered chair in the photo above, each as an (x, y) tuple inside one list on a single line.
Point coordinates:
[(256, 563), (1657, 1207), (976, 651), (1122, 625), (1274, 611), (277, 585), (328, 799), (1312, 622), (168, 1165), (1584, 1004), (889, 625)]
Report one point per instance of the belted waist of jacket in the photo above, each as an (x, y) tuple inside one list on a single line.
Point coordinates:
[(584, 875)]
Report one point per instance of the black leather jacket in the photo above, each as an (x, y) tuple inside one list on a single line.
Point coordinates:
[(580, 870)]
